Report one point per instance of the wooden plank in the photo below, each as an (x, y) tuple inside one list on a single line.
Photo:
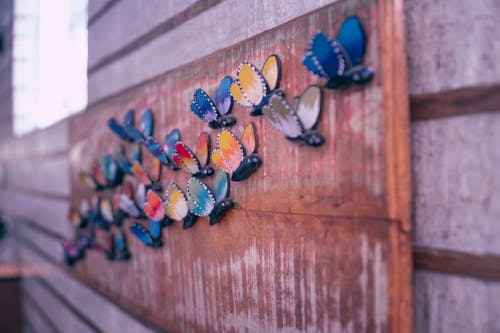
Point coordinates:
[(485, 267), (61, 316), (47, 176), (50, 245), (34, 314), (336, 217), (455, 161), (108, 40), (108, 317), (50, 214), (98, 8), (455, 102)]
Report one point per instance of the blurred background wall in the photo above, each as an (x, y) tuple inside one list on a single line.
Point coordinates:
[(454, 79)]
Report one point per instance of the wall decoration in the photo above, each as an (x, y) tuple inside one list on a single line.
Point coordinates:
[(176, 206), (252, 88), (336, 216), (203, 201), (153, 208), (339, 59), (239, 158), (150, 176), (104, 173), (131, 203), (297, 122), (146, 126), (195, 164), (123, 162), (216, 110)]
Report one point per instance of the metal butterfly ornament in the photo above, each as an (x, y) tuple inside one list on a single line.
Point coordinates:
[(176, 206), (196, 164), (252, 88), (216, 110), (297, 122), (203, 201), (339, 59), (239, 158)]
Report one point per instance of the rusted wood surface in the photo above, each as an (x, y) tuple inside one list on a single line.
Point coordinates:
[(319, 240)]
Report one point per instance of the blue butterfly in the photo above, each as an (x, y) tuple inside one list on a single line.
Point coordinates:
[(339, 59), (146, 126), (164, 154), (215, 111), (119, 129), (202, 201), (123, 162)]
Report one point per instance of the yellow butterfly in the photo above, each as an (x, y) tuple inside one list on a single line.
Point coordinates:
[(252, 88)]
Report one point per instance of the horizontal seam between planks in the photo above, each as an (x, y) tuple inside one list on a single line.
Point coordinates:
[(485, 267), (166, 26)]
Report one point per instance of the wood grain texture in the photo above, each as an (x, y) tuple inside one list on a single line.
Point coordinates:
[(320, 237)]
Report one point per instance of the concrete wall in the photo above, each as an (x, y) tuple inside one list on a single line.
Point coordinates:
[(455, 159)]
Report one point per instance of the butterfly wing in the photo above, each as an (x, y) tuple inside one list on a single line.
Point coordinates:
[(140, 195), (202, 148), (313, 65), (222, 98), (140, 173), (271, 71), (110, 168), (118, 129), (238, 96), (89, 181), (249, 138), (201, 199), (154, 228), (128, 206), (107, 210), (96, 171), (203, 107), (141, 233), (221, 186), (230, 149), (219, 160), (309, 107), (155, 169), (121, 160), (326, 55), (136, 154), (133, 132), (352, 38), (175, 202), (146, 127), (156, 149), (251, 82), (186, 159), (129, 117), (282, 116), (153, 207), (170, 141)]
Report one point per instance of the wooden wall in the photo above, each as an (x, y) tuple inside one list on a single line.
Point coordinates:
[(453, 80)]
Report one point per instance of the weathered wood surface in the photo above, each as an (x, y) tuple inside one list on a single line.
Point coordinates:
[(316, 241)]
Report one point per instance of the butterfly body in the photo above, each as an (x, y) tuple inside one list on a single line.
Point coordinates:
[(216, 110), (237, 157), (203, 201), (253, 87), (297, 122), (339, 59)]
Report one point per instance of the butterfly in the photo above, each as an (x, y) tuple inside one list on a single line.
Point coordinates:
[(74, 250), (76, 217), (153, 208), (202, 201), (95, 213), (123, 162), (216, 110), (252, 88), (176, 206), (119, 129), (131, 204), (104, 173), (297, 122), (120, 246), (146, 126), (163, 154), (149, 177), (237, 157), (194, 164), (339, 59)]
